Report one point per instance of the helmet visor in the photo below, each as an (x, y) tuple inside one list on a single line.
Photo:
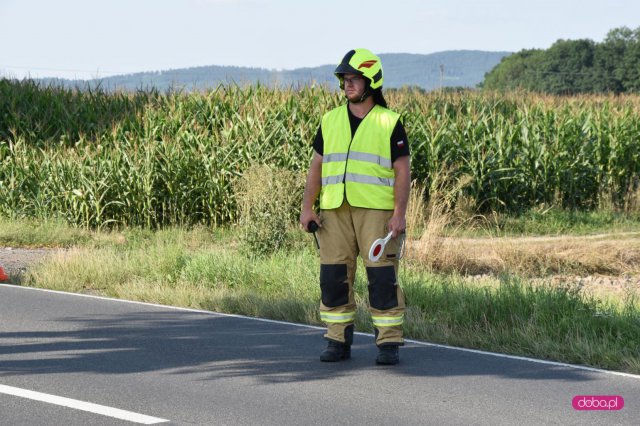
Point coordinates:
[(346, 69)]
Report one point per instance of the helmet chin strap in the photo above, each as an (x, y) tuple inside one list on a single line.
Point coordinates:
[(365, 95)]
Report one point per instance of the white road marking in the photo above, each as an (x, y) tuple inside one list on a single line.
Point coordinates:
[(81, 405), (416, 342)]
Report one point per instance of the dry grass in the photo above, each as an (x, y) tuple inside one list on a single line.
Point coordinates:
[(606, 265), (612, 255), (444, 206), (430, 247)]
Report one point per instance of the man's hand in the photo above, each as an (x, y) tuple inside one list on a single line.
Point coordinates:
[(397, 224), (307, 217)]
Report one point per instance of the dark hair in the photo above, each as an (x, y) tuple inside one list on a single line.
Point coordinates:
[(378, 98)]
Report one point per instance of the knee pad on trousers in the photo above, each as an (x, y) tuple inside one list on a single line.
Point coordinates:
[(382, 287), (333, 285)]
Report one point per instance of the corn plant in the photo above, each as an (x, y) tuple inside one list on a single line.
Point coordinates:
[(153, 159)]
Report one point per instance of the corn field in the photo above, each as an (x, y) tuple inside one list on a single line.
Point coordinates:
[(153, 159)]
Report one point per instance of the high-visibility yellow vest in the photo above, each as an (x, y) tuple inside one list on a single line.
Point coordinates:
[(360, 168)]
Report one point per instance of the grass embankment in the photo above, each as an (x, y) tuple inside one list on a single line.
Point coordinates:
[(546, 222), (605, 254), (206, 269)]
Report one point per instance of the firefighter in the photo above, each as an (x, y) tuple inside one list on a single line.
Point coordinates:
[(360, 171)]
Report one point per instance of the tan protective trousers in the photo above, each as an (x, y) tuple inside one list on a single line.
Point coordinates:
[(346, 232)]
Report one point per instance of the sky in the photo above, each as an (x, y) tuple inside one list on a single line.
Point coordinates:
[(91, 39)]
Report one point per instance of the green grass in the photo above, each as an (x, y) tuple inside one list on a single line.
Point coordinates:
[(541, 321), (58, 234), (51, 233), (207, 270)]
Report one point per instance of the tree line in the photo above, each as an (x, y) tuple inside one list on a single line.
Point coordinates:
[(573, 66)]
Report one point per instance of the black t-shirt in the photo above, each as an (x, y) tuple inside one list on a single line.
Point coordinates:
[(399, 142)]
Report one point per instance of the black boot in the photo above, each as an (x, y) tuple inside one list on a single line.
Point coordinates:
[(335, 351), (388, 355)]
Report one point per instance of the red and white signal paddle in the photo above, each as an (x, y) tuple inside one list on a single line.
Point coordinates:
[(377, 248)]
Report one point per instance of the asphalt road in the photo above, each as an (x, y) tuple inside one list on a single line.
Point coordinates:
[(203, 368)]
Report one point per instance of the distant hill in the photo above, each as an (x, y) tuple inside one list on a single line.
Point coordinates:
[(462, 68)]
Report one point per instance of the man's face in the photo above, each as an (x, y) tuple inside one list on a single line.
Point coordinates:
[(353, 86)]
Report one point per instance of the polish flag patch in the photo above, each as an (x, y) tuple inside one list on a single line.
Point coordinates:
[(400, 144)]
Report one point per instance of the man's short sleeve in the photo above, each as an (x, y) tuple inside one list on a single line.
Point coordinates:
[(318, 142), (399, 142)]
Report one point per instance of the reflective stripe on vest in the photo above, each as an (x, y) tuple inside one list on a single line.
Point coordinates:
[(332, 180), (360, 156), (352, 177), (360, 168), (334, 158), (371, 158), (371, 180)]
